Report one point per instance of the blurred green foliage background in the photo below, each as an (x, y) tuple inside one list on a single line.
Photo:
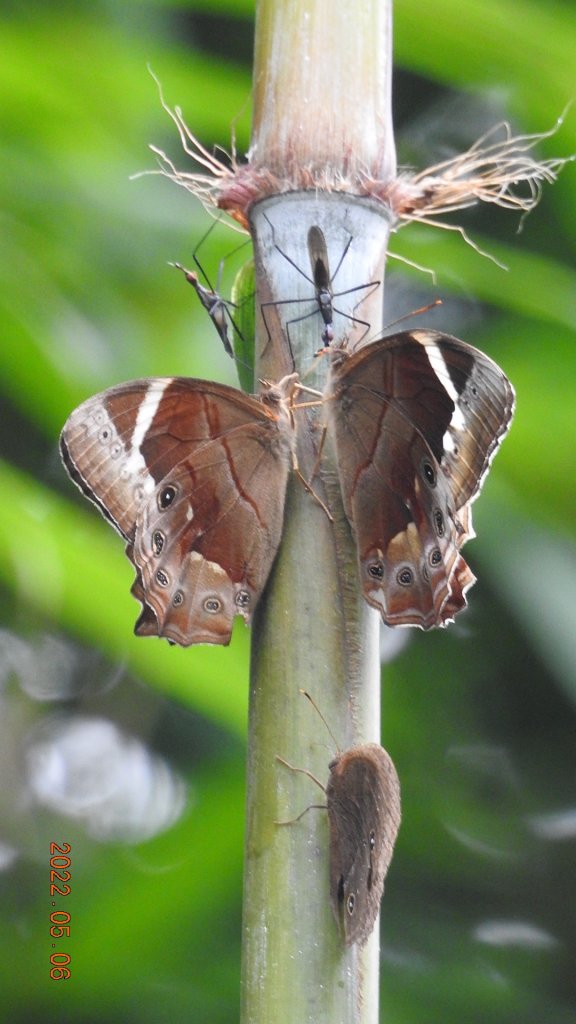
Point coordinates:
[(133, 752)]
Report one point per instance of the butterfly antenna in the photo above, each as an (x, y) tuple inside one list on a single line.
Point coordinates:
[(315, 706), (415, 312)]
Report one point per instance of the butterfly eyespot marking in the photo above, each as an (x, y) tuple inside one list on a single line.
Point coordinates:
[(405, 577), (116, 450), (166, 497), (162, 578), (138, 492), (212, 605), (350, 903), (178, 599), (439, 522), (376, 570), (242, 598), (157, 541), (435, 557), (429, 473), (105, 434), (372, 839)]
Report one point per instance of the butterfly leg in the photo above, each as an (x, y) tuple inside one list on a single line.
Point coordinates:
[(319, 455), (308, 487), (302, 771), (308, 483)]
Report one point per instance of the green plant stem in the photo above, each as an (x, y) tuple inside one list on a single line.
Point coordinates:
[(312, 630), (322, 101)]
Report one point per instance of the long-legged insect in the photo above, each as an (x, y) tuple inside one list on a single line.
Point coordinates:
[(218, 309), (323, 283)]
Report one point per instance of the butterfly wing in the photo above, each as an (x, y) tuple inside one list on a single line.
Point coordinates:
[(417, 419), (193, 474), (363, 797)]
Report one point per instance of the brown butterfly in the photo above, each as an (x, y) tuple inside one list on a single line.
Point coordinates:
[(363, 804), (417, 418), (193, 475), (363, 799)]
